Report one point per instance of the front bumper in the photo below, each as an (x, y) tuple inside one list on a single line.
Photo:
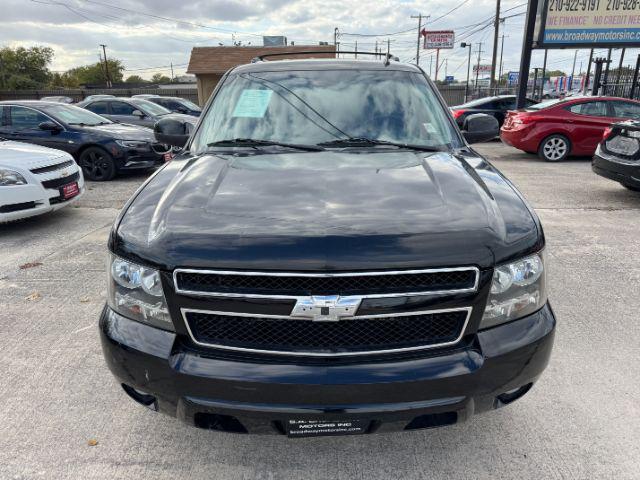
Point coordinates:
[(30, 200), (212, 390), (626, 172)]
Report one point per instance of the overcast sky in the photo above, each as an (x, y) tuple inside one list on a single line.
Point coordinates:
[(135, 33)]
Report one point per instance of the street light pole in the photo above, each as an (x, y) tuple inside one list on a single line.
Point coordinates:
[(466, 88)]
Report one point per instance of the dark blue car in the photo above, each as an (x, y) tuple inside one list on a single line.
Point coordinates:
[(101, 147)]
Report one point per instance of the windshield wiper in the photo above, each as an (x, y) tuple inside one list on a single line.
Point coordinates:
[(366, 142), (251, 142)]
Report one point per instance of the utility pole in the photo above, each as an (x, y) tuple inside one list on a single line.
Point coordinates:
[(430, 64), (356, 50), (501, 52), (478, 65), (496, 31), (106, 65), (172, 75), (419, 17), (335, 42), (446, 66)]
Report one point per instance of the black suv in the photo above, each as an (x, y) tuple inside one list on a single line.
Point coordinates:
[(326, 256)]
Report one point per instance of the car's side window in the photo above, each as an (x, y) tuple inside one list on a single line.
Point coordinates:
[(26, 118), (3, 119), (592, 109), (626, 110), (97, 107), (508, 104), (122, 108)]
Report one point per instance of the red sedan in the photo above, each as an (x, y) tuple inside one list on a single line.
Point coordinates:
[(559, 128)]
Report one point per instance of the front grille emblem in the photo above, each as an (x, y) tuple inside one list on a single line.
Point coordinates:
[(328, 308)]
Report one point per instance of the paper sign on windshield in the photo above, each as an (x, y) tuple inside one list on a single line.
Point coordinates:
[(252, 103)]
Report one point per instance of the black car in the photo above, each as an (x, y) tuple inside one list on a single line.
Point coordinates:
[(326, 256), (134, 111), (618, 155), (497, 107), (176, 105), (102, 148)]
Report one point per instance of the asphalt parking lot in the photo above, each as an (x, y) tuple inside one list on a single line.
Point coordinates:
[(581, 421)]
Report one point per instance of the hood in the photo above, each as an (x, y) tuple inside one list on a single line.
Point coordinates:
[(121, 131), (26, 155), (325, 211)]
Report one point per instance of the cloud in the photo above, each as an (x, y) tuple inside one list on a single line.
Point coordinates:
[(75, 28)]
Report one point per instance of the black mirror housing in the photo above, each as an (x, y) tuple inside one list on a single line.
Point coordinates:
[(50, 127), (173, 131), (480, 127)]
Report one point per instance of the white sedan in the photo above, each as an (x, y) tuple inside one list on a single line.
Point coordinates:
[(36, 180)]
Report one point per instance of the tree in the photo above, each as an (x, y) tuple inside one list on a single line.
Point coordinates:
[(25, 68), (159, 78), (555, 73), (135, 79), (94, 74)]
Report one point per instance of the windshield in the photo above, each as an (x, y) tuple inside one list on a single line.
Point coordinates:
[(314, 107), (74, 115), (189, 104), (150, 107)]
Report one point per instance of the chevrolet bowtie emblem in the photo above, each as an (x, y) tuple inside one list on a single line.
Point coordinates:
[(328, 308)]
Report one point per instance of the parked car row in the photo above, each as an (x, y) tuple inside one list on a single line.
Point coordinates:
[(605, 128), (173, 104)]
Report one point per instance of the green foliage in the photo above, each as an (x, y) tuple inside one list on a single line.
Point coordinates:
[(93, 74), (135, 79), (24, 68), (159, 78)]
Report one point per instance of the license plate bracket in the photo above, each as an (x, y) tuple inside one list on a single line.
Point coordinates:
[(321, 428)]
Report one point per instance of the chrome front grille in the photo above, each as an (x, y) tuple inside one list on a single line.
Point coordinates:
[(293, 285), (326, 314)]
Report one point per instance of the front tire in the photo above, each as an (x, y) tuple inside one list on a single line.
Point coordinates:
[(554, 148), (97, 164)]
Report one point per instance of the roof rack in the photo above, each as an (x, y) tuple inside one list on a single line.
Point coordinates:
[(387, 56)]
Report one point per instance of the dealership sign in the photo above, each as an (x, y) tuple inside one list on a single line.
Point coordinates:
[(438, 39), (588, 23), (482, 68)]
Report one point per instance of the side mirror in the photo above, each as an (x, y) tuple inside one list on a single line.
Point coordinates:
[(173, 131), (50, 127), (480, 127), (182, 110), (138, 113)]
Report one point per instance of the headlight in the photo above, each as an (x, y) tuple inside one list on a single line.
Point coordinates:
[(9, 178), (136, 292), (517, 289), (133, 143)]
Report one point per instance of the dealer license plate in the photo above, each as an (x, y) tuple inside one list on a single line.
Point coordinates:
[(319, 428), (70, 190)]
